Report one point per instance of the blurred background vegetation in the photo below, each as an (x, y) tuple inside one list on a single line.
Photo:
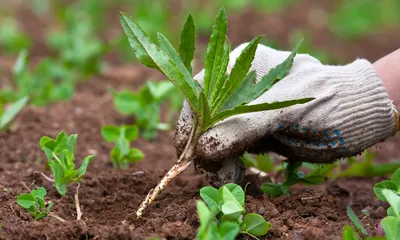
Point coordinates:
[(78, 31), (62, 42)]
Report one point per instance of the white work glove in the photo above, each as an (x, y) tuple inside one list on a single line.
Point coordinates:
[(351, 112)]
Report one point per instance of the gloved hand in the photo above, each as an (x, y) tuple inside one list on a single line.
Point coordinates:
[(351, 112)]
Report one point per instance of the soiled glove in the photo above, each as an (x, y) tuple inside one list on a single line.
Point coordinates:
[(351, 112)]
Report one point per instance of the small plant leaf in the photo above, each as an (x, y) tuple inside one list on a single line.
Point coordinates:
[(240, 95), (205, 110), (26, 200), (110, 133), (71, 142), (83, 167), (396, 178), (131, 132), (210, 196), (221, 77), (127, 102), (349, 234), (228, 230), (215, 52), (379, 187), (152, 56), (187, 42), (356, 221), (393, 199), (12, 111), (256, 224), (391, 226)]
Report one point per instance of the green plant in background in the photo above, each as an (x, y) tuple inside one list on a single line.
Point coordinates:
[(77, 46), (12, 38), (220, 96), (308, 48), (261, 162), (226, 204), (357, 18), (47, 83), (122, 154), (393, 185), (7, 115), (292, 177), (60, 154), (33, 202), (145, 105)]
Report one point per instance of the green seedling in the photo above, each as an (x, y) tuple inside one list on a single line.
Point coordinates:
[(292, 177), (227, 205), (12, 38), (60, 155), (76, 45), (122, 154), (393, 185), (262, 162), (50, 81), (145, 105), (220, 96), (357, 18), (210, 230), (33, 202), (7, 115), (391, 223)]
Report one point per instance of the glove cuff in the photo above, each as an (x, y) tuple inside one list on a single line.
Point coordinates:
[(365, 114)]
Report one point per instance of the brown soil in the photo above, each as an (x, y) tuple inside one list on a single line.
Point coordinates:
[(110, 197)]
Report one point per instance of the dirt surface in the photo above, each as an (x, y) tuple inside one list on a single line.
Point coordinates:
[(110, 197)]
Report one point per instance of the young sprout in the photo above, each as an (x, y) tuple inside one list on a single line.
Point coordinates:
[(122, 154), (60, 154), (227, 205), (220, 96), (33, 202)]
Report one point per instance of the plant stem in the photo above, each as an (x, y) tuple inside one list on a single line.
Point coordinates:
[(181, 164), (57, 217), (77, 205)]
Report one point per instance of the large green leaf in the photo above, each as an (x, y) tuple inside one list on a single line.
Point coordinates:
[(249, 92), (221, 77), (167, 47), (151, 55), (256, 224), (396, 178), (12, 111), (204, 109), (231, 210), (187, 42), (215, 51), (256, 108), (238, 73)]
